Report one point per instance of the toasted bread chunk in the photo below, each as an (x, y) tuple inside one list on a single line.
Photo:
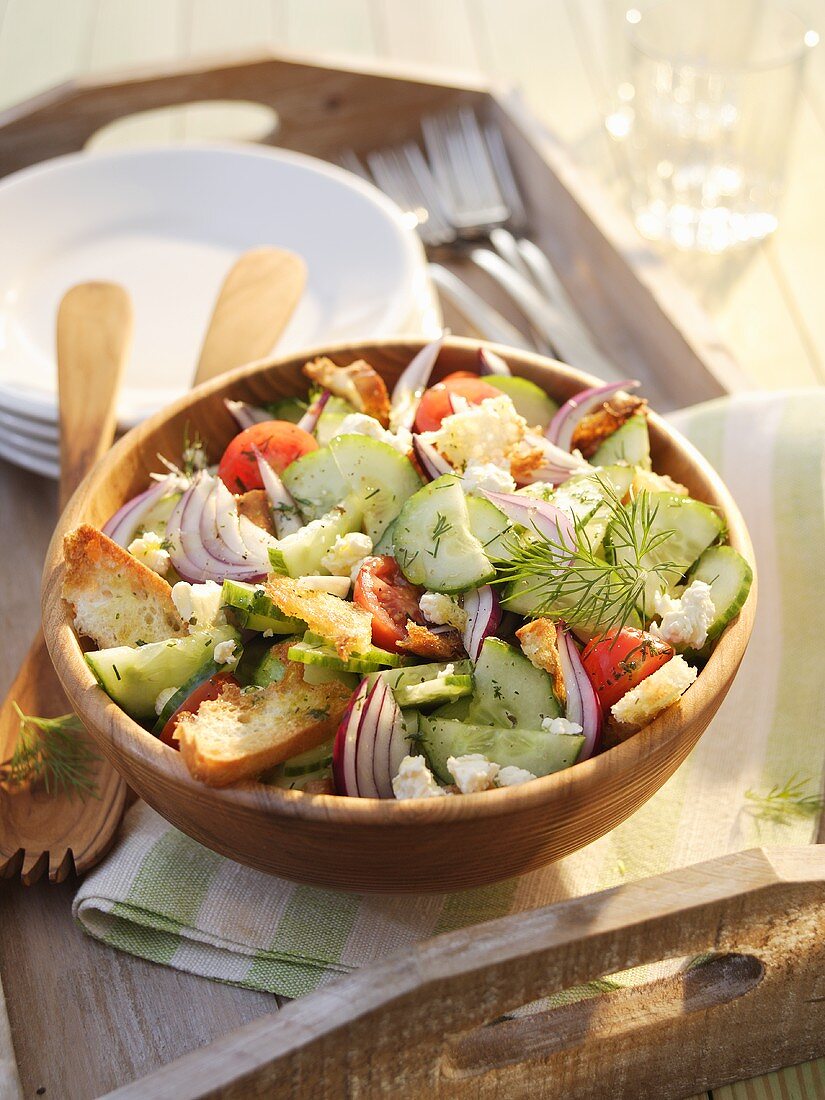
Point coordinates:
[(343, 624), (254, 504), (357, 383), (435, 647), (540, 646), (243, 732), (115, 599), (594, 429)]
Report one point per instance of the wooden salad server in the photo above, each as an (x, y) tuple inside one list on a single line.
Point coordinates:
[(39, 831), (58, 831)]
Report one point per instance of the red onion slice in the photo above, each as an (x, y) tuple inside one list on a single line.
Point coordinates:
[(309, 421), (413, 381), (285, 512), (213, 526), (490, 363), (431, 462), (246, 415), (583, 704), (346, 743), (535, 515), (123, 525), (561, 428), (483, 617), (558, 466)]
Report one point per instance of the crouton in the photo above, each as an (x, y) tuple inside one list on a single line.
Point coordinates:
[(245, 731), (435, 647), (115, 599), (540, 646), (593, 430), (655, 693), (255, 505), (344, 625), (357, 383)]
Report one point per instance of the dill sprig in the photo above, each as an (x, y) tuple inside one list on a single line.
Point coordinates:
[(570, 578), (786, 803), (49, 751)]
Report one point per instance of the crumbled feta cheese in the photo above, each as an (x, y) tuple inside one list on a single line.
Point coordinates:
[(447, 670), (415, 780), (225, 653), (336, 586), (472, 772), (199, 604), (658, 691), (485, 432), (511, 776), (361, 424), (442, 610), (685, 621), (163, 698), (150, 551), (347, 552), (560, 725), (486, 475), (268, 634)]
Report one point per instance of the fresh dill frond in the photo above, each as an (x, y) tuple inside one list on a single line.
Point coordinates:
[(49, 751), (569, 577), (193, 457), (786, 803)]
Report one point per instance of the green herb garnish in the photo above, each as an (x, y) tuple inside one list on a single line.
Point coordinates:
[(48, 750), (786, 803)]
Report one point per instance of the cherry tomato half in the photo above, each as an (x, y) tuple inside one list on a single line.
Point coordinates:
[(277, 440), (435, 402), (618, 661), (209, 689), (381, 589)]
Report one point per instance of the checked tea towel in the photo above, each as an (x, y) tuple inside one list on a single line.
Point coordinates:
[(164, 897)]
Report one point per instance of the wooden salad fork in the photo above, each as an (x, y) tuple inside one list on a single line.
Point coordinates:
[(57, 829), (42, 831)]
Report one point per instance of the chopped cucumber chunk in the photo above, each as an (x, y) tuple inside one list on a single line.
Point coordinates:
[(314, 760), (537, 751), (135, 677), (589, 499), (299, 554), (489, 525), (510, 690), (314, 650), (317, 674), (330, 420), (730, 578), (256, 611), (206, 671), (434, 692), (434, 545), (627, 446), (530, 400)]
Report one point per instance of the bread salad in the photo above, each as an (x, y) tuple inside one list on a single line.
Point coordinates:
[(447, 589)]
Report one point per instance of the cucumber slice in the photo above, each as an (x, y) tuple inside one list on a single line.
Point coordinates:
[(730, 578), (490, 526), (315, 483), (536, 750), (331, 418), (434, 545), (435, 692), (270, 670), (382, 477), (627, 446), (135, 677), (589, 499), (416, 674), (317, 674), (459, 709), (289, 408), (299, 554), (528, 596), (314, 760), (509, 690), (256, 611), (530, 400), (693, 526), (207, 670), (384, 544), (314, 650)]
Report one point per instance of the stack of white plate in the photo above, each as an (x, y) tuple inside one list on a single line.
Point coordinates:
[(167, 224)]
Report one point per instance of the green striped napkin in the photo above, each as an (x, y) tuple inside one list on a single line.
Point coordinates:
[(164, 897)]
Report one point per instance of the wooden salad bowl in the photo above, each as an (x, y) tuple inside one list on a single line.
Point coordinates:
[(369, 844)]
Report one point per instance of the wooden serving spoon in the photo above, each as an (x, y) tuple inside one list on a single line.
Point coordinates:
[(40, 831)]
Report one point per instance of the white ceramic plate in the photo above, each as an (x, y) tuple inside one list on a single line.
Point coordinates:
[(167, 224)]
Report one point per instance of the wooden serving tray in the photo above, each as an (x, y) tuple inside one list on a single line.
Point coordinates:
[(85, 1018)]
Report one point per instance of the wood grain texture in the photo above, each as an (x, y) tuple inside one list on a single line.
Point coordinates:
[(636, 307), (55, 833), (9, 1079), (414, 1025), (355, 844), (255, 303)]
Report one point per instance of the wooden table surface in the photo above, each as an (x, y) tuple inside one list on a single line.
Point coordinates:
[(766, 301)]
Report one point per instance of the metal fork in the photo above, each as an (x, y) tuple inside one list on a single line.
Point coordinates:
[(478, 190)]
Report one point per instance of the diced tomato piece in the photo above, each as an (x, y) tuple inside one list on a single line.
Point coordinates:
[(435, 402), (618, 661), (381, 589), (278, 441)]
